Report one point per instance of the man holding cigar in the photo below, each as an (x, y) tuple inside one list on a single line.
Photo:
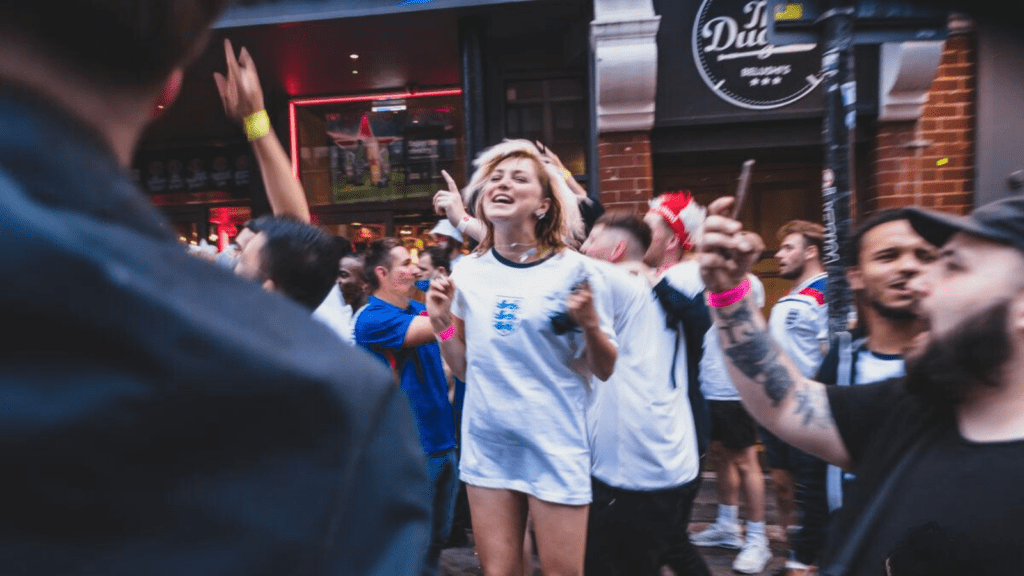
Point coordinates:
[(957, 417)]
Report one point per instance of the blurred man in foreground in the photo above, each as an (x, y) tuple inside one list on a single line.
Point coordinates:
[(160, 415)]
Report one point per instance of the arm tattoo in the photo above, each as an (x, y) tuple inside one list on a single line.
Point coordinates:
[(812, 406), (754, 353)]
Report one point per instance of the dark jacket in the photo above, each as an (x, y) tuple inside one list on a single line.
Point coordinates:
[(691, 319), (161, 416)]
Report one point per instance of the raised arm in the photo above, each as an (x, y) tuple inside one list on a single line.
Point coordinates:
[(552, 158), (420, 332), (448, 203), (242, 96), (794, 408)]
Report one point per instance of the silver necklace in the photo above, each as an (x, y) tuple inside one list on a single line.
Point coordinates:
[(526, 254)]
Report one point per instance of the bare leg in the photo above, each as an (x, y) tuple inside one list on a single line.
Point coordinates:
[(561, 536), (728, 485), (499, 523), (749, 468), (528, 548)]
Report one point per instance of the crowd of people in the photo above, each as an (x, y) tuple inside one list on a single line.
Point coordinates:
[(296, 406)]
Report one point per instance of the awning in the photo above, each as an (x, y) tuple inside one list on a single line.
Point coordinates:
[(260, 12)]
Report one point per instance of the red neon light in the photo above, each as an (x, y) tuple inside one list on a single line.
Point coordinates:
[(293, 123), (294, 137), (368, 97)]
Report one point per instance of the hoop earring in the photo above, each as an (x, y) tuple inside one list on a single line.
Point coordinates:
[(541, 215)]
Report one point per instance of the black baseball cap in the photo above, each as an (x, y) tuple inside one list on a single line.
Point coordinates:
[(1000, 221)]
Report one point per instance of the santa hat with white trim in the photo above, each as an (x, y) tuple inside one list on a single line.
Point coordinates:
[(682, 213)]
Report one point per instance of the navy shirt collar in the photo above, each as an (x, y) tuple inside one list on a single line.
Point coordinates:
[(57, 159)]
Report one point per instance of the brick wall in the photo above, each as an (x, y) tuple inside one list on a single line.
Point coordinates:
[(939, 174), (624, 170)]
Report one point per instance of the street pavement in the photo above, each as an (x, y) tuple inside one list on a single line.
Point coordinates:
[(462, 561)]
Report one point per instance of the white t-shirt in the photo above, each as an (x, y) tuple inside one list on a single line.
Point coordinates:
[(337, 315), (641, 427), (872, 367), (524, 422), (685, 277), (799, 324), (715, 381)]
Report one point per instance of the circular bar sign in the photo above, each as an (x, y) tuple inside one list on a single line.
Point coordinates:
[(732, 53)]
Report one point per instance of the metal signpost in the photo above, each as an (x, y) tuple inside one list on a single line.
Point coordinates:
[(839, 25)]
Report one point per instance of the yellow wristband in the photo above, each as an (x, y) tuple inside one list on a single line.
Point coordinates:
[(257, 125), (567, 174)]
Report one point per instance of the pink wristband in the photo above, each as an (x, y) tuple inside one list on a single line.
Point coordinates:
[(729, 297), (446, 334)]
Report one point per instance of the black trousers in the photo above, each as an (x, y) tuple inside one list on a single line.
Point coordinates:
[(811, 497), (635, 533)]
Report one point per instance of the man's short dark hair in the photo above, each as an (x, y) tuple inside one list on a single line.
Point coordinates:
[(342, 246), (300, 259), (630, 223), (378, 254), (876, 219), (114, 41), (439, 258)]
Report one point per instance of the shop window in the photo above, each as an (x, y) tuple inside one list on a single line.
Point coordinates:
[(377, 148), (553, 111)]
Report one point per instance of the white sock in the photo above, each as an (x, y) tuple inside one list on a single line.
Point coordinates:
[(756, 530), (728, 515)]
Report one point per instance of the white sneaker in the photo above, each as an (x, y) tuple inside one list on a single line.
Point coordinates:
[(752, 559), (718, 536)]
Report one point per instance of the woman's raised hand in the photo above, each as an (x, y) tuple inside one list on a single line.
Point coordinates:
[(448, 202)]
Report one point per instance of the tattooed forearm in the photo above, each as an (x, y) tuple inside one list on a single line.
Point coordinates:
[(749, 356), (753, 353), (777, 381), (735, 324), (812, 406)]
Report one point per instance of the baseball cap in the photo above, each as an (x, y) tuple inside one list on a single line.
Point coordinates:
[(445, 228), (1000, 221)]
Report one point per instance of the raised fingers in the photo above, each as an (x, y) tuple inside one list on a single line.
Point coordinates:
[(721, 206), (222, 87), (721, 225), (711, 241), (749, 242), (229, 56), (452, 187), (247, 62)]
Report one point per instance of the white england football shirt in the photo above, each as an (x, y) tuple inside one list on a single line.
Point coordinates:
[(524, 425)]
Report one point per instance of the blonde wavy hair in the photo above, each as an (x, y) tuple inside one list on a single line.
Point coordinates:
[(563, 224)]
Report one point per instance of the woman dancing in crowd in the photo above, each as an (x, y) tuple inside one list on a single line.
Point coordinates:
[(519, 321)]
